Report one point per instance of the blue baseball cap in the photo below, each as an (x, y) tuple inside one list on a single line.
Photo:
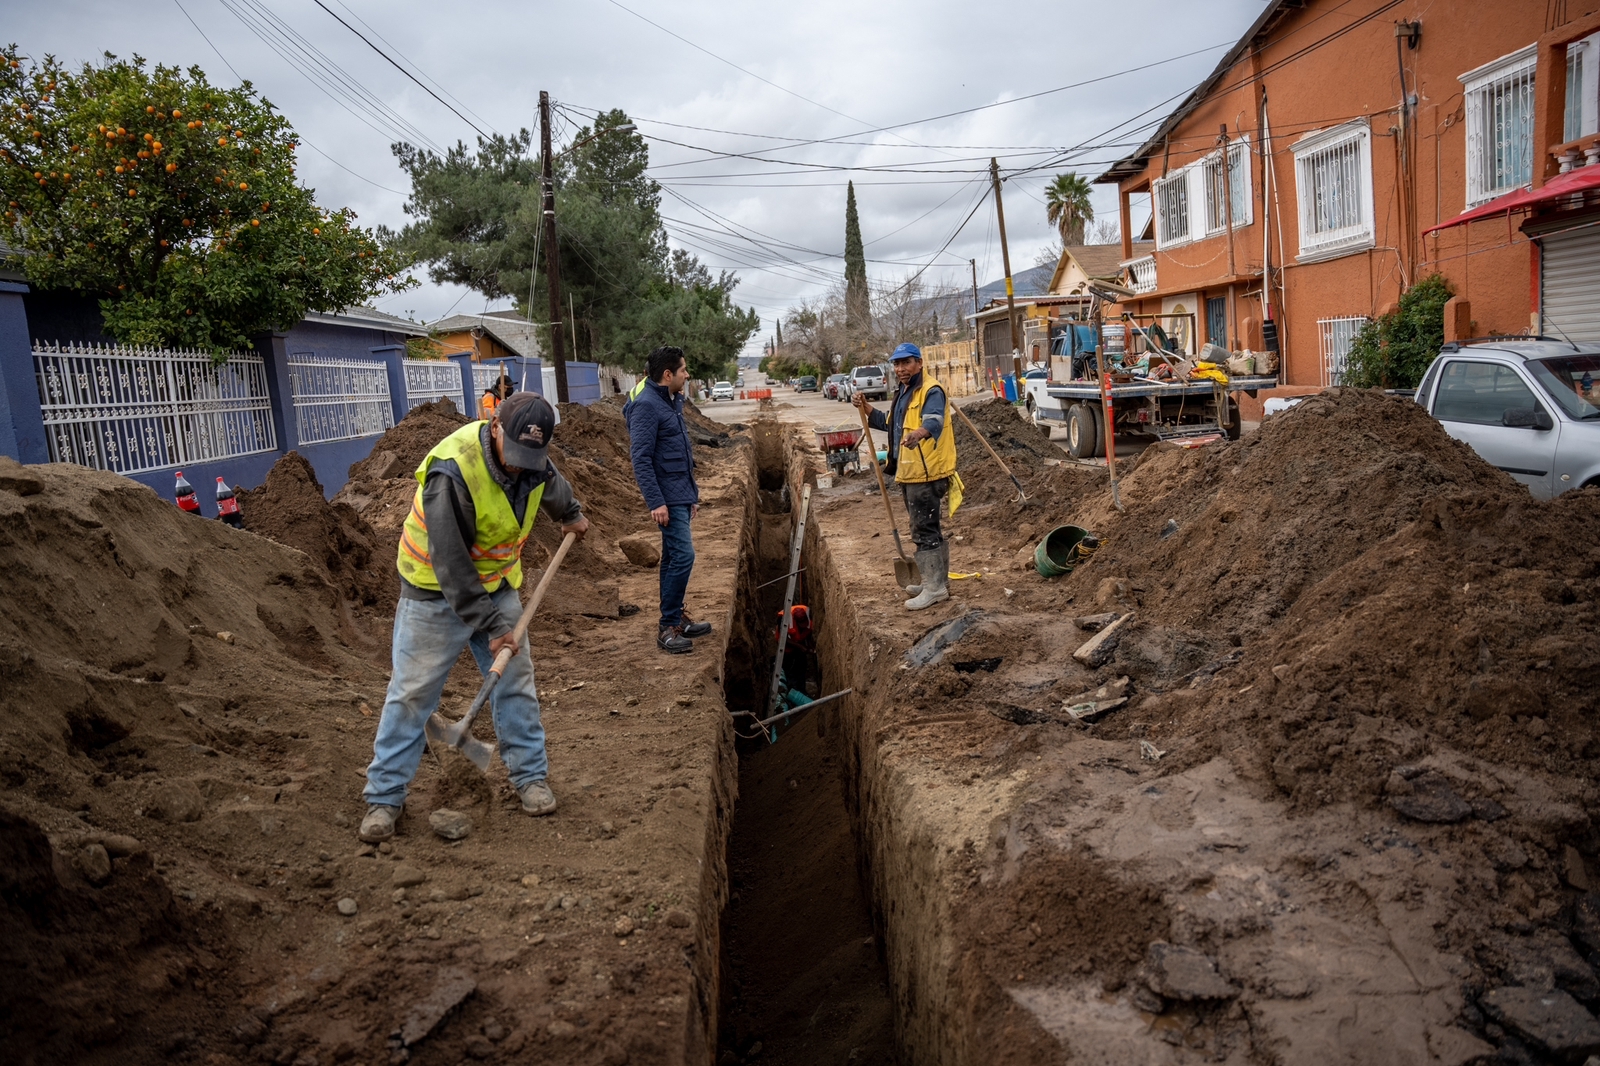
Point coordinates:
[(906, 351)]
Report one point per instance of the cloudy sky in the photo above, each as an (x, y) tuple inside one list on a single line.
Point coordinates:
[(724, 91)]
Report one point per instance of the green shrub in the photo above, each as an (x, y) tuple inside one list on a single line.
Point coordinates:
[(1393, 351)]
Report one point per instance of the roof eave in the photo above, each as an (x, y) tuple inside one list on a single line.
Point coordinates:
[(1130, 165)]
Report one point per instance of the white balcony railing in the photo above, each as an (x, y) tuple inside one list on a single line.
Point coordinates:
[(1141, 273)]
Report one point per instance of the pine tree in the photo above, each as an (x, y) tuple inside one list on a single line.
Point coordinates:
[(856, 307)]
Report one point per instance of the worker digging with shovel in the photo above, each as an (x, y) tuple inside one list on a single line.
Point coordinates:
[(922, 458), (460, 563)]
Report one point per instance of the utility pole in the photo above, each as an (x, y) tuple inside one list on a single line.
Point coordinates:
[(973, 263), (1227, 197), (551, 258), (1005, 259)]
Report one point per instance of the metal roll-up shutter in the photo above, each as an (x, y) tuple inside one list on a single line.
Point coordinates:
[(1569, 289)]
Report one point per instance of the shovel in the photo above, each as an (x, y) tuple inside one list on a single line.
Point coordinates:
[(458, 735), (905, 570), (996, 455)]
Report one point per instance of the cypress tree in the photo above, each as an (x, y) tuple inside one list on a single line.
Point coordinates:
[(779, 342), (856, 306)]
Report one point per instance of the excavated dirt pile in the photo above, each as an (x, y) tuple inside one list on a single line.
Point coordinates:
[(291, 508), (1357, 562), (187, 717), (1356, 753), (115, 600)]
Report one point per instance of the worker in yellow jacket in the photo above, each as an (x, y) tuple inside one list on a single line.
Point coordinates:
[(922, 458), (460, 563)]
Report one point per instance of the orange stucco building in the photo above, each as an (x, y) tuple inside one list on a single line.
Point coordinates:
[(1350, 129)]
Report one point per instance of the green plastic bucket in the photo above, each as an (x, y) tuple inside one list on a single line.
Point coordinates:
[(1063, 548)]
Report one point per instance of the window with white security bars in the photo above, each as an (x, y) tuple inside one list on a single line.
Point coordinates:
[(1192, 203), (1500, 102), (1337, 334), (1333, 183), (1172, 208), (1218, 195)]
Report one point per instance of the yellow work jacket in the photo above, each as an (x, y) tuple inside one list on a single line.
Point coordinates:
[(927, 460), (497, 541)]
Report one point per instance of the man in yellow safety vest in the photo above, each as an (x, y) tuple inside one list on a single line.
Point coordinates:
[(460, 563), (922, 458)]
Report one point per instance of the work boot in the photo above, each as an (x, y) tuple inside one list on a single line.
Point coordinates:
[(944, 552), (935, 579), (537, 799), (693, 629), (378, 825), (671, 639)]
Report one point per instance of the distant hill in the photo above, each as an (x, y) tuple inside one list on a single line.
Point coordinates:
[(1035, 281)]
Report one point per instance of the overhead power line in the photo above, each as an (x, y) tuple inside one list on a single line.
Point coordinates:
[(299, 134), (403, 70)]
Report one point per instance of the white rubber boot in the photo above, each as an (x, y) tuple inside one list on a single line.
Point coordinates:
[(935, 579)]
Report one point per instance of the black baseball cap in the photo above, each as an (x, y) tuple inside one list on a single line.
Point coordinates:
[(529, 423)]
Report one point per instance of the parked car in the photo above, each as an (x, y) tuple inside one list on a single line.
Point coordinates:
[(738, 382), (1530, 407), (869, 381), (806, 383), (722, 390), (830, 388)]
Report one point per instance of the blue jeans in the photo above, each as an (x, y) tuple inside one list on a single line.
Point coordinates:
[(428, 638), (677, 563)]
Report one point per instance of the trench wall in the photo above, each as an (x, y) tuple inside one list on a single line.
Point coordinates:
[(705, 965), (901, 854)]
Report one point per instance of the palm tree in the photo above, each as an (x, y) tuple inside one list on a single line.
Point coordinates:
[(1067, 206)]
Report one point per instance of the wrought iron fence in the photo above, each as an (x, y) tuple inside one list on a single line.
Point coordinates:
[(128, 409), (339, 399), (427, 381)]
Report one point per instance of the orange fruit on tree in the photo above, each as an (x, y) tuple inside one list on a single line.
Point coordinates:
[(255, 222), (171, 167), (244, 185)]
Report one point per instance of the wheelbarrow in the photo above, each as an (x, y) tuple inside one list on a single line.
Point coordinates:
[(840, 446)]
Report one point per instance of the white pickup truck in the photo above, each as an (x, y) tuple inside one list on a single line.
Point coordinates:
[(1156, 410)]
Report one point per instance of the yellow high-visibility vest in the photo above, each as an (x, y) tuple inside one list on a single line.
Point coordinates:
[(927, 460), (497, 541)]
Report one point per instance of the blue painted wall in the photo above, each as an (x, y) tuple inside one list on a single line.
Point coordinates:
[(54, 317)]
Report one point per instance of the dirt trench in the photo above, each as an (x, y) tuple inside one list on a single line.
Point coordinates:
[(804, 979)]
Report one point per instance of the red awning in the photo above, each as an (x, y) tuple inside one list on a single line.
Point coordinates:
[(1573, 181)]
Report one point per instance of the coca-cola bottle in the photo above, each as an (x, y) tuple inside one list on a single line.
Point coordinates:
[(184, 493), (227, 506)]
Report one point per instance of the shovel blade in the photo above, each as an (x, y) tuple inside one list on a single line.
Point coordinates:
[(905, 573), (477, 752), (442, 734)]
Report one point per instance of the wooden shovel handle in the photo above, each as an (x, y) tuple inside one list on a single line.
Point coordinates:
[(883, 489), (985, 441), (521, 628)]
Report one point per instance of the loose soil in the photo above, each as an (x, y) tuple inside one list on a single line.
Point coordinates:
[(188, 713), (1357, 756), (1346, 815)]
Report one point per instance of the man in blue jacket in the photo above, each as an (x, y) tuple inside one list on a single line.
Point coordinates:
[(663, 465)]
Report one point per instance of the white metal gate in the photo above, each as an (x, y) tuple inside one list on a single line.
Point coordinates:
[(337, 399), (134, 409), (1569, 284), (1334, 338), (427, 381)]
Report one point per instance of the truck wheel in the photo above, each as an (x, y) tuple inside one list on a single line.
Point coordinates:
[(1082, 433), (1234, 428)]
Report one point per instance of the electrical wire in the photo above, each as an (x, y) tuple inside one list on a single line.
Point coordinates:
[(401, 69), (298, 134), (323, 72)]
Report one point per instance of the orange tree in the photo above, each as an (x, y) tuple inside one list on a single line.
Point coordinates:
[(175, 202)]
